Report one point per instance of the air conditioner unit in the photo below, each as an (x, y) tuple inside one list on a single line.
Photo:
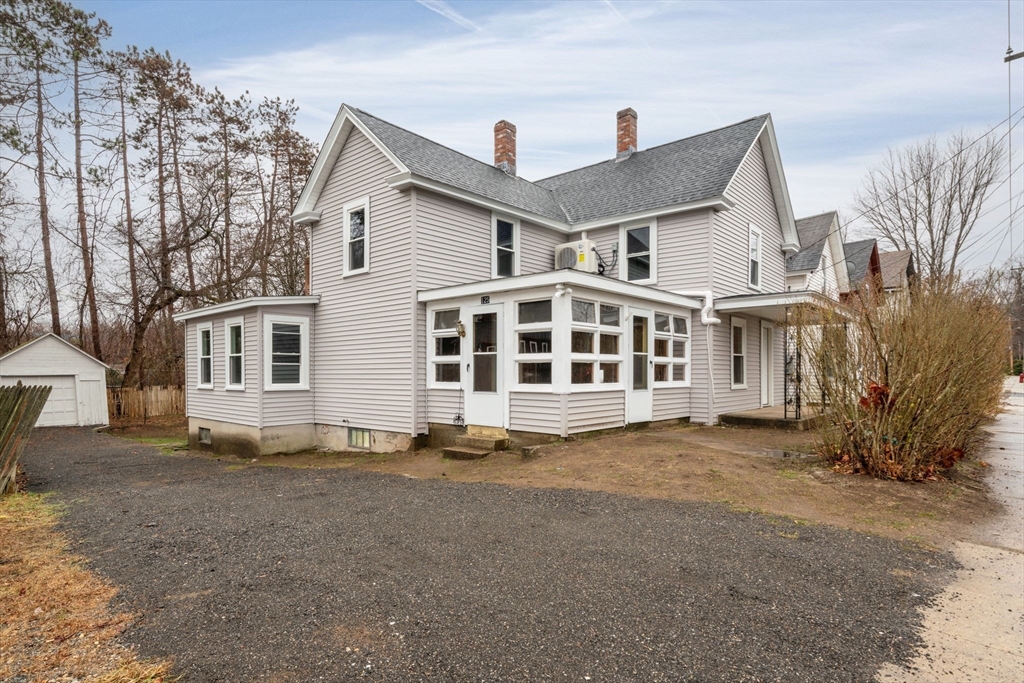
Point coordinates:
[(580, 255)]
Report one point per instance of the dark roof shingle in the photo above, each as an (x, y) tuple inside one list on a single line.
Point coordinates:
[(858, 259), (813, 232)]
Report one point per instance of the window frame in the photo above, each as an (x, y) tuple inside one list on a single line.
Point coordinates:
[(518, 357), (672, 337), (435, 334), (740, 323), (624, 229), (364, 204), (516, 251), (268, 351), (752, 232), (228, 324), (597, 358), (200, 328)]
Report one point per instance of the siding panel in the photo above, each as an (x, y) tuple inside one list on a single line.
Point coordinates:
[(240, 407), (541, 413), (291, 407), (684, 251), (671, 403), (596, 410), (537, 248), (443, 405)]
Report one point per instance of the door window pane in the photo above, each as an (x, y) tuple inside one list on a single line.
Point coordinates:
[(639, 352), (582, 373), (583, 312), (535, 342), (535, 373), (610, 315), (609, 373), (610, 344), (582, 342), (485, 333), (639, 370), (485, 372), (535, 312)]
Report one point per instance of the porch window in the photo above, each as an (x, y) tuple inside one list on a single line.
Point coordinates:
[(205, 355), (286, 363), (357, 237), (447, 347), (739, 353), (671, 349), (639, 262), (506, 248), (235, 348), (755, 257), (533, 353), (595, 335)]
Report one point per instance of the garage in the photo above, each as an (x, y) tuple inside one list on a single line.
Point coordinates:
[(79, 393)]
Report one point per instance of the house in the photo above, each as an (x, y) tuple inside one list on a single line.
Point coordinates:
[(863, 266), (450, 296), (79, 381), (820, 265), (897, 270)]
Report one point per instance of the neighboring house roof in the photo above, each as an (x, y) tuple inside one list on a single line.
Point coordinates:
[(694, 171), (813, 231), (68, 344), (680, 172), (897, 268), (858, 260)]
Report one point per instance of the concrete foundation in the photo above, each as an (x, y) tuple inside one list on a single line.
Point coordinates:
[(247, 441), (335, 438)]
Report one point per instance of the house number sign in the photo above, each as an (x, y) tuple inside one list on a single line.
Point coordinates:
[(485, 300)]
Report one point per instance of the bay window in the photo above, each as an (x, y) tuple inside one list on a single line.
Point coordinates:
[(286, 352)]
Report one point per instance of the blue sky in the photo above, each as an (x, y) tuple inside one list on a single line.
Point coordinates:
[(843, 81)]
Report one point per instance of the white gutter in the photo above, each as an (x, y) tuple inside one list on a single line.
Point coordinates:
[(706, 316)]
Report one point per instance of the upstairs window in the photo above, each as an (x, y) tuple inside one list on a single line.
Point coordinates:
[(639, 260), (286, 364), (754, 271), (205, 344), (447, 351), (506, 248), (357, 237), (235, 351)]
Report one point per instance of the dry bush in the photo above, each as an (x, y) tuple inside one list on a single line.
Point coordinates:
[(909, 381), (55, 619)]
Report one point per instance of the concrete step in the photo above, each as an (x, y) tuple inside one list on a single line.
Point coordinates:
[(489, 443), (465, 453)]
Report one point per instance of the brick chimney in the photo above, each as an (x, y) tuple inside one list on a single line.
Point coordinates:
[(505, 147), (625, 133)]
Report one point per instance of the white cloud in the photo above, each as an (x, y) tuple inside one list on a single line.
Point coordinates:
[(448, 12)]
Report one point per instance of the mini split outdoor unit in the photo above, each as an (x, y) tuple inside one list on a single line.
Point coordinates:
[(579, 255)]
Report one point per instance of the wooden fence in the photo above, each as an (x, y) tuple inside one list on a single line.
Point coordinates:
[(136, 403), (19, 409)]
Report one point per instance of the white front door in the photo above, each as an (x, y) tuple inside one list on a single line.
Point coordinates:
[(766, 366), (640, 398), (485, 396)]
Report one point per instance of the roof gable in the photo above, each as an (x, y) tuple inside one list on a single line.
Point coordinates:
[(813, 232), (897, 267), (858, 260), (49, 335)]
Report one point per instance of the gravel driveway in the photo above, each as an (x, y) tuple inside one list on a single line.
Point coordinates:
[(279, 574)]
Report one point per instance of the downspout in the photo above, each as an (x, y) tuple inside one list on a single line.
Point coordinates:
[(708, 319)]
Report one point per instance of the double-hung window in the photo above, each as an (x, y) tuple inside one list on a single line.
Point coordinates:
[(286, 348), (671, 349), (596, 342), (754, 269), (533, 342), (234, 346), (739, 353), (357, 237), (204, 344), (639, 262), (447, 351), (505, 247)]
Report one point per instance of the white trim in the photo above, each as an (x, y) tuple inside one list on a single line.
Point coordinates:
[(672, 336), (624, 228), (560, 277), (268, 352), (716, 203), (239, 304), (771, 299), (200, 328), (228, 324), (767, 370), (752, 232), (741, 323), (516, 251), (63, 341), (432, 358), (363, 203), (307, 217)]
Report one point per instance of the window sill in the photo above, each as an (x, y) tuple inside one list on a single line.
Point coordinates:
[(645, 283), (235, 388), (533, 388), (205, 387), (445, 385), (351, 273), (286, 387), (593, 388), (671, 385), (735, 387)]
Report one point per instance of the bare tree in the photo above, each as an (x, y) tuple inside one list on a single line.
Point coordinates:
[(927, 197)]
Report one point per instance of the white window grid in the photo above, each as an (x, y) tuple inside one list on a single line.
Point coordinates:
[(228, 355), (755, 269), (495, 248), (346, 261), (202, 358), (597, 358), (435, 360), (741, 324), (529, 356), (652, 251), (678, 332), (268, 352)]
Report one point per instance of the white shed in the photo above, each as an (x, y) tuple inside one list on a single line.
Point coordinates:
[(79, 381)]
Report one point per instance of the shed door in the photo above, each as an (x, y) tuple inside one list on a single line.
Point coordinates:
[(61, 408)]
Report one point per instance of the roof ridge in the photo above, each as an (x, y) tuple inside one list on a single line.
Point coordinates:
[(817, 215), (649, 149)]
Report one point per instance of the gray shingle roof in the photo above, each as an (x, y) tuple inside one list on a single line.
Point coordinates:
[(813, 232), (858, 257), (687, 170), (695, 168)]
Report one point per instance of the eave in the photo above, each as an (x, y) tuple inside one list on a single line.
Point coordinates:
[(251, 302)]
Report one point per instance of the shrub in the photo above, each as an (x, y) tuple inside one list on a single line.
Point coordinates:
[(909, 381)]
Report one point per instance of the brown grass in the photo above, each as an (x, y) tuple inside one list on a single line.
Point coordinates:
[(55, 618)]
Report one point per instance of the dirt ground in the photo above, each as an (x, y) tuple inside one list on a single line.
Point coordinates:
[(743, 468)]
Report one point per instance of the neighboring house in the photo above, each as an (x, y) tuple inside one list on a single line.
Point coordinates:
[(79, 381), (863, 267), (820, 265), (897, 270), (445, 291)]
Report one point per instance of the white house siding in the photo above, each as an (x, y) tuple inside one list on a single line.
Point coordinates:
[(779, 369), (541, 413), (671, 403), (699, 380), (755, 203), (727, 399), (590, 410), (603, 239), (290, 407), (537, 248), (453, 242), (364, 332), (684, 251), (240, 407), (443, 405)]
